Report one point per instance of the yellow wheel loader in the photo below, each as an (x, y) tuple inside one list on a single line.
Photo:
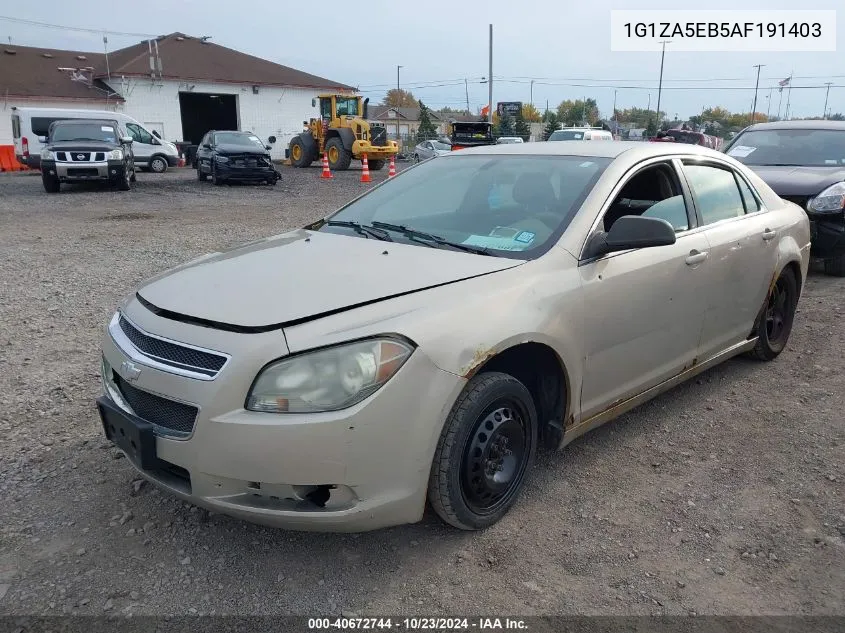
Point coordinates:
[(342, 132)]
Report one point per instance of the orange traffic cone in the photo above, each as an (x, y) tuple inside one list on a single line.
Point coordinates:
[(365, 173), (392, 171), (326, 172)]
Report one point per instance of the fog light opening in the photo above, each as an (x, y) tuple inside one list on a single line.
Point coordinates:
[(320, 495)]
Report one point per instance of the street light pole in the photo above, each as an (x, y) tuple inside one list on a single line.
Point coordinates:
[(826, 94), (490, 80), (756, 85), (660, 83)]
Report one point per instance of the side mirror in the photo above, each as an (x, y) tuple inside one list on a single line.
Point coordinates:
[(313, 103), (126, 140), (206, 145), (632, 231), (268, 147), (156, 134), (42, 139)]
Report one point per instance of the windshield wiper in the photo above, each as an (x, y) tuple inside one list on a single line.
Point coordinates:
[(428, 238), (362, 229)]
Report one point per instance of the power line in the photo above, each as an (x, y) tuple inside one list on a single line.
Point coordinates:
[(79, 29)]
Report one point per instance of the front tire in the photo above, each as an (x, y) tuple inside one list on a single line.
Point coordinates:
[(158, 165), (835, 266), (215, 179), (339, 158), (51, 185), (776, 319), (485, 450), (125, 183), (201, 176), (376, 165), (299, 154)]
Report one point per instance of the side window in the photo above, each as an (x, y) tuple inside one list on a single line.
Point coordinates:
[(325, 108), (139, 134), (752, 204), (654, 192), (716, 192)]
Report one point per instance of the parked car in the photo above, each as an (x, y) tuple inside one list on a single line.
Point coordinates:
[(85, 150), (804, 162), (151, 152), (506, 140), (228, 156), (422, 342), (430, 149), (581, 134)]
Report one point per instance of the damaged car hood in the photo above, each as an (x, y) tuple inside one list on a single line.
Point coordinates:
[(799, 181), (302, 275)]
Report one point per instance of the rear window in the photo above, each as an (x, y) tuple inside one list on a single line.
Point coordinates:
[(567, 135), (16, 126)]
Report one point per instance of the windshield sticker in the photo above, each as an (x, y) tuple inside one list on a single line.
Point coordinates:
[(255, 138), (105, 128), (587, 164), (526, 237), (741, 151), (498, 243), (831, 161)]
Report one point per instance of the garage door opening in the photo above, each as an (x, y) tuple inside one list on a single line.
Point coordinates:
[(202, 112)]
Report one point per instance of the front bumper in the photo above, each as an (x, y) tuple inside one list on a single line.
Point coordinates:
[(827, 235), (228, 171), (83, 172), (375, 152), (265, 467)]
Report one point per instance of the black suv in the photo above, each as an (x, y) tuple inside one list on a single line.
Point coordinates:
[(804, 162), (231, 156), (85, 150)]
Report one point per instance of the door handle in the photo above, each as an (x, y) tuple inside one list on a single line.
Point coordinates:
[(769, 234), (696, 257)]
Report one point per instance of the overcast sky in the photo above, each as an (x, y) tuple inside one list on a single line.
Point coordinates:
[(557, 43)]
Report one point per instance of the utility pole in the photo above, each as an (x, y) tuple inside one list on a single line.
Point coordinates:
[(614, 112), (398, 92), (531, 100), (769, 104), (827, 92), (660, 83), (466, 88), (756, 85), (490, 80)]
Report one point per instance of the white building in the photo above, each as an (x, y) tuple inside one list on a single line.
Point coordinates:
[(194, 86)]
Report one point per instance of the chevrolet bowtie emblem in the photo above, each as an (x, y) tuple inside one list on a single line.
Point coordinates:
[(130, 371)]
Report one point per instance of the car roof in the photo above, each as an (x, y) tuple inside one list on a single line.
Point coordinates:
[(636, 150), (803, 124), (84, 121)]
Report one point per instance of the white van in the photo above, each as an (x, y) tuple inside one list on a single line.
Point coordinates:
[(30, 125), (581, 134)]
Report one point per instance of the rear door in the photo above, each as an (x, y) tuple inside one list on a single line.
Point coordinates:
[(743, 253)]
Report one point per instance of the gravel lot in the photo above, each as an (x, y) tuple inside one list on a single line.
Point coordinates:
[(724, 496)]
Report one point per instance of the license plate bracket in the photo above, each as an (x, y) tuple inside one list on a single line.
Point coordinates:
[(129, 432)]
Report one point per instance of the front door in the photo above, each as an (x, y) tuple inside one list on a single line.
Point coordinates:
[(143, 143), (645, 306)]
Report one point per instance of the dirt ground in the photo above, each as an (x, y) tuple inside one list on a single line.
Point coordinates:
[(723, 496)]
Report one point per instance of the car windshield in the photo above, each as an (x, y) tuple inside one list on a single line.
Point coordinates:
[(84, 132), (508, 206), (439, 145), (567, 135), (237, 138), (807, 147)]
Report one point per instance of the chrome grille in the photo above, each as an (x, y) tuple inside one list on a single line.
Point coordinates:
[(161, 412), (173, 354)]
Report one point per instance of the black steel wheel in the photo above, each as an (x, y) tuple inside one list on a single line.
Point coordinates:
[(775, 323), (485, 450)]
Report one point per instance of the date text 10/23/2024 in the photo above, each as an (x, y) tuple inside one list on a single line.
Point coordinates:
[(417, 624)]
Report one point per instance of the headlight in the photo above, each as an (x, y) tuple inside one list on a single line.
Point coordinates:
[(831, 200), (116, 154), (328, 379), (221, 159), (46, 154)]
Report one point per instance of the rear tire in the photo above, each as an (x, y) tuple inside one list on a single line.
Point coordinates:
[(377, 164), (299, 153), (51, 184), (339, 158), (835, 266), (777, 316), (485, 450)]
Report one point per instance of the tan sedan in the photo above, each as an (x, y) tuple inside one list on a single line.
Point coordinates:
[(421, 343)]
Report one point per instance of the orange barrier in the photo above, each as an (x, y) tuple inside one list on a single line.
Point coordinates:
[(8, 160)]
